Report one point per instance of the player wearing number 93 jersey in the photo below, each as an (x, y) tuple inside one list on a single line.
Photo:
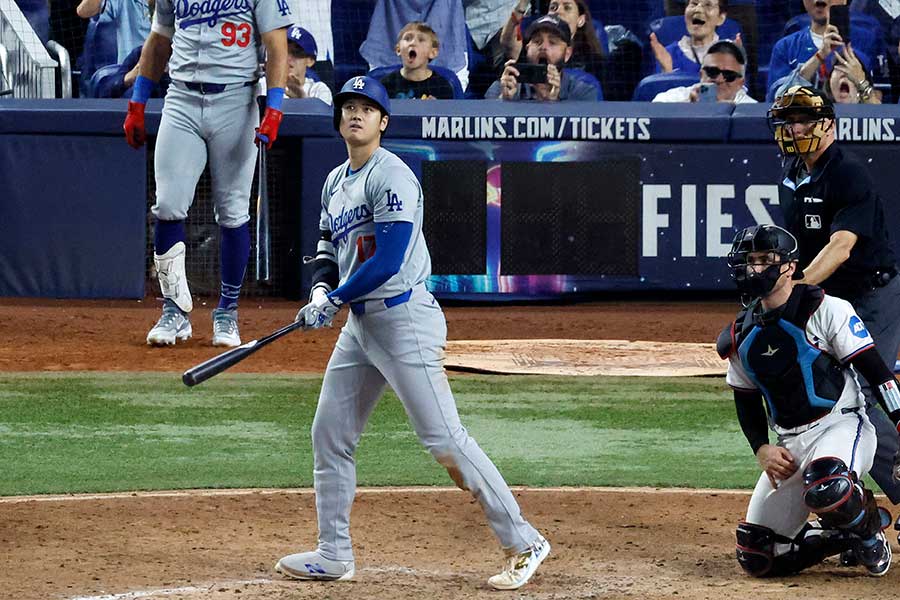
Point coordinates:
[(210, 112), (372, 257)]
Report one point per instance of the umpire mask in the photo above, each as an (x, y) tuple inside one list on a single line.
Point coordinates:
[(800, 104), (774, 245)]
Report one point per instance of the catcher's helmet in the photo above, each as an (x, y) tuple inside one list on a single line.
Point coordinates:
[(805, 104), (770, 239), (364, 86)]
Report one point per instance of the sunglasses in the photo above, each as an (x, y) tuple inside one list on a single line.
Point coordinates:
[(728, 76)]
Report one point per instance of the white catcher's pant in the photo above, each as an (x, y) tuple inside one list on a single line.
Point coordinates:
[(848, 436), (403, 347)]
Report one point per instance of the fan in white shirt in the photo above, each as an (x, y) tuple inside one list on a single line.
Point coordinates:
[(723, 67)]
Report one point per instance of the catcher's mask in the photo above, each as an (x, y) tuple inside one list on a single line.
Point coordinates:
[(801, 104), (771, 247)]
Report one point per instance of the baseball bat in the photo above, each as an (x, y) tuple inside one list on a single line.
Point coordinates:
[(217, 364), (263, 236)]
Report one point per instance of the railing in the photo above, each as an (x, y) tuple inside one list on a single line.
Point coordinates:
[(65, 68), (5, 88), (30, 71)]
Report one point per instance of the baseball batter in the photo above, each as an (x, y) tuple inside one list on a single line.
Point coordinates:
[(372, 256), (210, 112), (799, 351)]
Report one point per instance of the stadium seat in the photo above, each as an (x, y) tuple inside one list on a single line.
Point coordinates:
[(652, 85), (350, 25), (586, 77), (442, 71), (672, 29), (99, 49)]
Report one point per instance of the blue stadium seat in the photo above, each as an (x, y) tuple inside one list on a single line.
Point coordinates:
[(652, 85), (771, 15), (442, 71), (586, 77), (349, 25), (99, 49), (672, 29)]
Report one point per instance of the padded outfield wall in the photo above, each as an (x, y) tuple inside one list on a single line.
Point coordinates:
[(521, 200)]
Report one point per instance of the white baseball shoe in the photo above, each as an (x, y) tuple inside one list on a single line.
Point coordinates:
[(172, 326), (312, 565), (225, 328), (521, 567)]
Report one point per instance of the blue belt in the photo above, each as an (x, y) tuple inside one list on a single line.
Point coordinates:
[(359, 308), (213, 88)]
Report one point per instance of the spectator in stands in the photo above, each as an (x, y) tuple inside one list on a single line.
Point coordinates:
[(417, 46), (132, 19), (587, 51), (547, 43), (116, 81), (391, 16), (808, 53), (485, 20), (723, 66), (315, 16), (701, 17), (302, 52), (848, 82)]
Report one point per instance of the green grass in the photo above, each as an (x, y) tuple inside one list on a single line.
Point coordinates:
[(89, 432)]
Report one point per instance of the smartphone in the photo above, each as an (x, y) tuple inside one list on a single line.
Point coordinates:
[(707, 92), (840, 18), (531, 73)]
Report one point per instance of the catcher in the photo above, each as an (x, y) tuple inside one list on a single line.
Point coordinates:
[(797, 350)]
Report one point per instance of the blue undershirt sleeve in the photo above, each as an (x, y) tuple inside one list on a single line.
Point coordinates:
[(391, 241)]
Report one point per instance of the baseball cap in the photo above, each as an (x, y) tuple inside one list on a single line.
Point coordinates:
[(303, 39), (550, 23)]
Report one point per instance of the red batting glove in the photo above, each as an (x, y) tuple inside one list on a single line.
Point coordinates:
[(267, 132), (135, 132)]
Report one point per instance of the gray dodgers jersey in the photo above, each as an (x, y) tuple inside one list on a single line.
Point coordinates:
[(382, 191), (217, 41)]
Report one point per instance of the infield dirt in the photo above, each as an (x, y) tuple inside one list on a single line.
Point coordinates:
[(410, 544)]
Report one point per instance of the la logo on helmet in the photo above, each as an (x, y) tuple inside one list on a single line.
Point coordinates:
[(359, 84)]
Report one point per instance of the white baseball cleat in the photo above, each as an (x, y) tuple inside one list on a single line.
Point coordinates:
[(172, 326), (521, 567), (312, 565), (225, 328)]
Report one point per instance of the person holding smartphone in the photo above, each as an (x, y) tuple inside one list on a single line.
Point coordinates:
[(721, 78), (543, 76), (810, 54)]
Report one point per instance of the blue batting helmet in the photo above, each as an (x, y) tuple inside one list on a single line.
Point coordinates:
[(364, 86)]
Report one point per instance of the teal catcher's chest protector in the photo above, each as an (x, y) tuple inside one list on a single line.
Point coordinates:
[(800, 382)]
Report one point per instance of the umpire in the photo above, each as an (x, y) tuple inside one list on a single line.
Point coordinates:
[(830, 205)]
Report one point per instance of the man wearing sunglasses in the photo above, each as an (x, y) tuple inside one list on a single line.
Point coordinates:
[(721, 78)]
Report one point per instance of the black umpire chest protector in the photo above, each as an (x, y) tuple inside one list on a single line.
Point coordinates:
[(800, 382)]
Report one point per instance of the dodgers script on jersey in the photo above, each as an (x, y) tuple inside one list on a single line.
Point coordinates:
[(835, 329), (217, 41), (353, 204)]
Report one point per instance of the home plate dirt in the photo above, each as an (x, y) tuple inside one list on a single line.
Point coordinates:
[(585, 357)]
